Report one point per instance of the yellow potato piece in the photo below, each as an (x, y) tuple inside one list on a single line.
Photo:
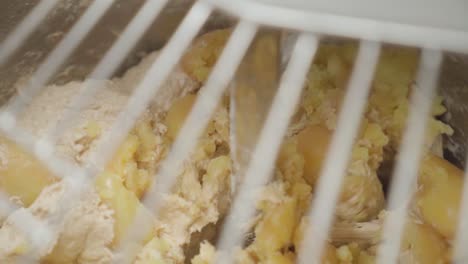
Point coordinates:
[(420, 244), (124, 203), (133, 150), (123, 183), (21, 174), (148, 143), (177, 114), (313, 145), (203, 54), (439, 194), (276, 230)]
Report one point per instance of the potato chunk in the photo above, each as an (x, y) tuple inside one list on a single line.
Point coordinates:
[(439, 194), (421, 244), (277, 228), (124, 203), (21, 174), (204, 53), (177, 114), (137, 157), (313, 144)]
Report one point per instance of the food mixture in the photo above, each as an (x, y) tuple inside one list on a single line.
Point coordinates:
[(95, 227)]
